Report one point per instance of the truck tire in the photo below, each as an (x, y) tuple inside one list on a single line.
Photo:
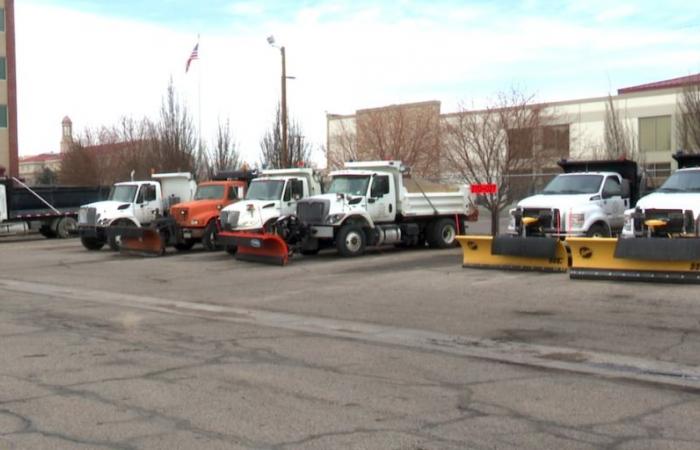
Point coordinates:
[(65, 226), (598, 230), (209, 237), (115, 241), (231, 249), (91, 243), (185, 245), (47, 231), (351, 240), (441, 233)]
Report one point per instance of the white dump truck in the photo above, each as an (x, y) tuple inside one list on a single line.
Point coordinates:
[(132, 204), (369, 203), (588, 199)]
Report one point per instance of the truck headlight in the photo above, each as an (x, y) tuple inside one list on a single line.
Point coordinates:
[(577, 220), (628, 224), (334, 218), (195, 222)]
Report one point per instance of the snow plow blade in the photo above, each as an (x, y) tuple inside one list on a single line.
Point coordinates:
[(514, 253), (139, 241), (665, 260), (264, 248)]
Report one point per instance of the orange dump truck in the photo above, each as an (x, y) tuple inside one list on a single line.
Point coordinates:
[(190, 222)]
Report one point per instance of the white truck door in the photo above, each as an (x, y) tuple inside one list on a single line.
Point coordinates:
[(148, 203), (613, 203), (380, 202), (293, 192)]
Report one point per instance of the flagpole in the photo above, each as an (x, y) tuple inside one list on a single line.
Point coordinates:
[(199, 100)]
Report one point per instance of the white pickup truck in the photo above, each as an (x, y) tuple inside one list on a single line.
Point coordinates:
[(370, 204), (588, 199), (132, 203), (673, 209)]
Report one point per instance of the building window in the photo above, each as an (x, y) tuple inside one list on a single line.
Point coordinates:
[(2, 19), (3, 68), (520, 143), (655, 134), (555, 141), (3, 116)]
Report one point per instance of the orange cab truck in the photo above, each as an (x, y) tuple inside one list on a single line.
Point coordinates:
[(191, 221)]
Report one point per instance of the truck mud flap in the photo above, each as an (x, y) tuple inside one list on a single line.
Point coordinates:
[(264, 248), (138, 241), (658, 260), (514, 253)]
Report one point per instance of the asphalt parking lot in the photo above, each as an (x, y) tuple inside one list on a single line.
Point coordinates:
[(394, 350)]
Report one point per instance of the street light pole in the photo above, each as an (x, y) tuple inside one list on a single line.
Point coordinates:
[(285, 147)]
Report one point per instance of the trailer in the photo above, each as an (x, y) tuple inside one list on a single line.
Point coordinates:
[(53, 210)]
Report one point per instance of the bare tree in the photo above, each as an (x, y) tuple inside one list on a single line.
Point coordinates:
[(688, 130), (299, 150), (342, 143), (224, 155), (176, 148), (620, 140), (494, 144), (410, 133)]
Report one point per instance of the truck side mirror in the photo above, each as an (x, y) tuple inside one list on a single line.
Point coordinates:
[(626, 189)]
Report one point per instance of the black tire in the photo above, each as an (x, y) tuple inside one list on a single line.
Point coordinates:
[(185, 245), (114, 241), (47, 231), (91, 243), (442, 233), (231, 249), (209, 237), (598, 230), (351, 240), (65, 226)]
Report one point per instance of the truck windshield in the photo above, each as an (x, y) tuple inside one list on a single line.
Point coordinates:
[(685, 181), (349, 184), (573, 184), (265, 190), (209, 192), (123, 193)]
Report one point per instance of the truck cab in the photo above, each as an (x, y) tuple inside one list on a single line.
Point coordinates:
[(586, 200), (272, 195), (673, 209)]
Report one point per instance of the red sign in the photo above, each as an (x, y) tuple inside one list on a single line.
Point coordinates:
[(484, 188)]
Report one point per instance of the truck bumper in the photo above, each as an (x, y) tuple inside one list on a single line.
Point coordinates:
[(322, 232), (92, 232), (192, 233)]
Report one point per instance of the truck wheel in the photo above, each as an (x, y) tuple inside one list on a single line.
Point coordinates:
[(184, 246), (47, 231), (115, 242), (598, 230), (231, 249), (91, 243), (351, 240), (209, 237), (65, 226), (442, 234)]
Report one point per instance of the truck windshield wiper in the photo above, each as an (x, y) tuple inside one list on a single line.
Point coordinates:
[(668, 189)]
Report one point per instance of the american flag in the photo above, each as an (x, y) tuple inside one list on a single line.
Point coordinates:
[(194, 55)]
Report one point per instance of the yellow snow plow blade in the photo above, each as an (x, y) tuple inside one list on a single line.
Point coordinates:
[(514, 253), (636, 259)]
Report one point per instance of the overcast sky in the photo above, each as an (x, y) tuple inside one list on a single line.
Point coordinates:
[(98, 60)]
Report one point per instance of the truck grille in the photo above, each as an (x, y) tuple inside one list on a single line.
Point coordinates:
[(548, 220), (87, 217), (229, 219), (677, 221), (313, 211)]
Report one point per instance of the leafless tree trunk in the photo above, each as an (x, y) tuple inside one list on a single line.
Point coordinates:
[(620, 140), (488, 146), (224, 155), (299, 151), (342, 148), (176, 136), (688, 130)]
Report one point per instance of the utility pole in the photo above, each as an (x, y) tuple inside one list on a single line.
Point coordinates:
[(285, 147)]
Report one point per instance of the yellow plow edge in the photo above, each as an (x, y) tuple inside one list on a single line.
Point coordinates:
[(514, 253)]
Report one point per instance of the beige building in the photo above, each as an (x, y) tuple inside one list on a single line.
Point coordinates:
[(649, 114), (32, 167), (8, 89)]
